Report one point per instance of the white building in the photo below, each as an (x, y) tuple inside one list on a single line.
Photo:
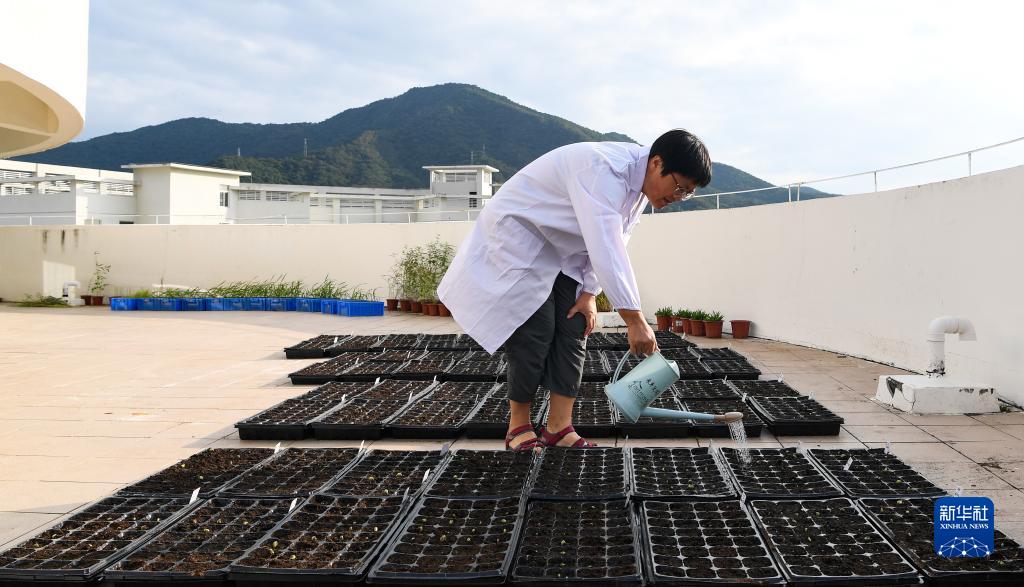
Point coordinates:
[(176, 193)]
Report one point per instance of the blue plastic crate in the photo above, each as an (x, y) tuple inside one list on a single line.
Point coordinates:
[(360, 308), (168, 304), (148, 304), (123, 304), (329, 306), (281, 304), (255, 304), (215, 304), (307, 304), (193, 304), (235, 304)]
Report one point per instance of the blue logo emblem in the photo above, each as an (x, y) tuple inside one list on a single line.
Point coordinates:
[(964, 526)]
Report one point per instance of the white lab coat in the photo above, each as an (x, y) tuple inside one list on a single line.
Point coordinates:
[(572, 210)]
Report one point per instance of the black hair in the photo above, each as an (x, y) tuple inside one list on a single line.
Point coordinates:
[(683, 153)]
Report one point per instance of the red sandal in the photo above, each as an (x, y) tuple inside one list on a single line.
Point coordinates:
[(551, 440), (525, 445)]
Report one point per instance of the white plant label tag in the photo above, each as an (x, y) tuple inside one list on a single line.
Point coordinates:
[(726, 378), (410, 398), (294, 501), (277, 448), (445, 447), (810, 396), (195, 495), (362, 443), (335, 340), (800, 446), (849, 463), (744, 398), (888, 447), (425, 475), (780, 377), (376, 381), (343, 396)]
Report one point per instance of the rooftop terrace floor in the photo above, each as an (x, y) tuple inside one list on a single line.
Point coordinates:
[(91, 401)]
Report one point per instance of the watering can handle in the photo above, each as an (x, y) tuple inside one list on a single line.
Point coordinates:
[(622, 362)]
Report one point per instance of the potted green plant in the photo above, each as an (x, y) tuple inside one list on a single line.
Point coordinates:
[(664, 317), (99, 282), (740, 328), (393, 286), (697, 318), (679, 321), (713, 324), (437, 257)]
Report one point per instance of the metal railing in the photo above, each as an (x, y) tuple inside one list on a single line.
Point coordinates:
[(790, 192), (334, 218)]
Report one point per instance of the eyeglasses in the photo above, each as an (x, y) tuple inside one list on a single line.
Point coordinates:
[(682, 192)]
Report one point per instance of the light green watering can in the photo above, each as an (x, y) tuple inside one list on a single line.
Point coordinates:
[(641, 386)]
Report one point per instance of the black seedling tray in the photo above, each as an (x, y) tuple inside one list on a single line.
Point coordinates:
[(209, 470), (573, 474), (391, 356), (382, 473), (423, 370), (707, 389), (370, 371), (720, 353), (313, 348), (462, 391), (793, 416), (454, 342), (817, 542), (337, 390), (480, 474), (752, 424), (700, 543), (483, 370), (454, 355), (453, 541), (873, 473), (909, 524), (294, 472), (78, 548), (694, 370), (669, 474), (590, 391), (733, 369), (670, 340), (357, 419), (611, 341), (325, 540), (765, 388), (595, 368), (614, 356), (288, 420), (591, 418), (430, 418), (201, 546), (490, 419), (324, 371), (400, 342), (678, 354), (397, 389), (778, 473), (579, 543), (358, 343), (647, 427)]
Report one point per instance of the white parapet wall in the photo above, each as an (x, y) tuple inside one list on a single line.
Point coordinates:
[(861, 274)]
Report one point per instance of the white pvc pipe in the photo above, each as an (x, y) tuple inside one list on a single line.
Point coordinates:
[(937, 331)]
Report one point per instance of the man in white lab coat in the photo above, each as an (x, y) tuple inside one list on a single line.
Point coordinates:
[(544, 246)]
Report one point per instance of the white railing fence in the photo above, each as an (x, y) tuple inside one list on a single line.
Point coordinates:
[(335, 218)]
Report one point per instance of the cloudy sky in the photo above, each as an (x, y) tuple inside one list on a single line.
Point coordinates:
[(785, 90)]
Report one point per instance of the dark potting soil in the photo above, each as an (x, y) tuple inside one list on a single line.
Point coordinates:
[(203, 543), (396, 389), (325, 536), (720, 353), (462, 391), (485, 370), (575, 474), (490, 419), (293, 472), (452, 539), (909, 523), (777, 473), (752, 424), (385, 473), (313, 347), (357, 343), (704, 389), (400, 342), (430, 418), (829, 538), (445, 355), (82, 545), (595, 368), (670, 340), (369, 370), (599, 341), (424, 369), (788, 416), (483, 474), (325, 371), (579, 542), (592, 418), (590, 391), (613, 357), (733, 369), (765, 388), (363, 412), (705, 542), (337, 391), (447, 342), (391, 356), (873, 473), (291, 415), (678, 473), (678, 354), (208, 470), (648, 427), (694, 370)]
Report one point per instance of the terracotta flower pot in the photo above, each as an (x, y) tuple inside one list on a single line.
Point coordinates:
[(687, 329), (417, 307), (713, 328), (431, 309), (392, 304), (405, 305), (677, 325), (442, 310), (740, 328), (664, 322), (697, 327)]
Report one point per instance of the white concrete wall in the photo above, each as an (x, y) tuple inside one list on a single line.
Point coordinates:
[(110, 209), (43, 208), (858, 274), (195, 196), (152, 195)]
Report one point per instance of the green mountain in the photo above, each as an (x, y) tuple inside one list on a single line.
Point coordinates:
[(385, 143)]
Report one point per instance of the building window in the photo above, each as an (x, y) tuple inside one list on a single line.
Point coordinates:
[(248, 195), (126, 222), (224, 199), (458, 176), (277, 196), (474, 203)]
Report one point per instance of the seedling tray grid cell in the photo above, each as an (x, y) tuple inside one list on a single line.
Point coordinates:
[(337, 390), (324, 371), (288, 420), (582, 543), (794, 416), (483, 474), (595, 368), (648, 427), (453, 541), (707, 389), (357, 343), (752, 424), (678, 474), (574, 474), (829, 542), (719, 353), (294, 472), (592, 418), (909, 524), (401, 342), (777, 473), (873, 473), (733, 369), (370, 371), (357, 419), (490, 419), (479, 370), (671, 340), (697, 543), (326, 539), (462, 391), (385, 474), (313, 348), (78, 548), (765, 388), (208, 470), (203, 544), (430, 418)]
